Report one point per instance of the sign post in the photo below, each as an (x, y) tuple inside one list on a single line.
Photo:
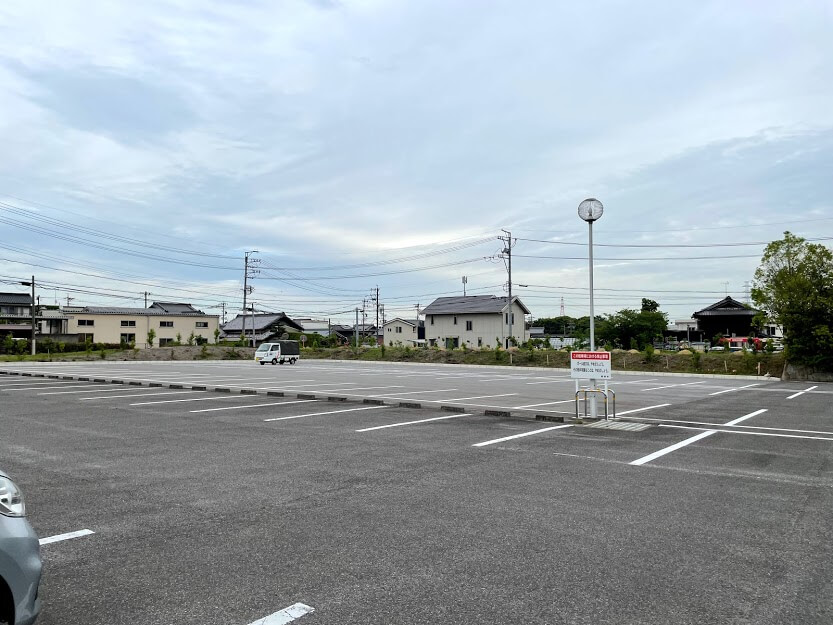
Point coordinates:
[(590, 365)]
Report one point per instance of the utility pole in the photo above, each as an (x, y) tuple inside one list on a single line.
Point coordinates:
[(247, 273), (69, 299), (726, 288), (223, 306), (33, 315), (508, 251), (356, 329), (146, 299), (32, 284), (416, 342), (465, 280), (377, 318), (562, 306), (253, 325)]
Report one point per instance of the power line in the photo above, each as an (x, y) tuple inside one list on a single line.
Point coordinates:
[(666, 245)]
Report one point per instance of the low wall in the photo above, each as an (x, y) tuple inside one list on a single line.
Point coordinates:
[(800, 373)]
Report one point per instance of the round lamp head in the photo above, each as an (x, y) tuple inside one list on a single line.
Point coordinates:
[(590, 209)]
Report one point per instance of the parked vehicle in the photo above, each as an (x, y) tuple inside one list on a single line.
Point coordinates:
[(20, 563), (278, 352)]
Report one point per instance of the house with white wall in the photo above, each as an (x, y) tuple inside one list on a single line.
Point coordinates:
[(405, 332), (475, 321)]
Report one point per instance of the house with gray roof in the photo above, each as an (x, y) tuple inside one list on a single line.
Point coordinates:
[(131, 326), (476, 321), (267, 327), (406, 332)]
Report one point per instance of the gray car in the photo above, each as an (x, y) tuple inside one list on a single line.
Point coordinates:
[(20, 563)]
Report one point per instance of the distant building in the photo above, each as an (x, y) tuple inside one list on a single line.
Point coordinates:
[(112, 324), (475, 321), (728, 317), (16, 315), (267, 327), (405, 331), (314, 326)]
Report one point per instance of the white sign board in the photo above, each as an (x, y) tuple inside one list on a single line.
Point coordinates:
[(590, 365)]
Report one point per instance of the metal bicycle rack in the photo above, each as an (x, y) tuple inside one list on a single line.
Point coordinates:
[(607, 393)]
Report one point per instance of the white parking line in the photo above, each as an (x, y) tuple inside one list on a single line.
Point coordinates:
[(287, 615), (656, 388), (101, 389), (439, 401), (693, 439), (549, 403), (318, 414), (45, 388), (361, 388), (277, 403), (37, 382), (619, 414), (551, 381), (140, 394), (59, 537), (689, 427), (793, 396), (674, 447), (396, 425), (745, 417), (509, 438), (442, 390), (737, 388)]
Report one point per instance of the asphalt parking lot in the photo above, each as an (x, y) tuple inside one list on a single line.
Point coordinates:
[(331, 501)]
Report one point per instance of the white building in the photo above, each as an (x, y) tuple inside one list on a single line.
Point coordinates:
[(475, 321), (405, 332)]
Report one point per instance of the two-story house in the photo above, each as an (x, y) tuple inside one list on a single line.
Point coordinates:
[(475, 321)]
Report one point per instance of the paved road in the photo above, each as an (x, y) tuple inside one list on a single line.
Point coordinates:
[(225, 508)]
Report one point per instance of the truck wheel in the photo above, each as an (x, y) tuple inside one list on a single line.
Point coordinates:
[(274, 361), (292, 362), (261, 362), (281, 360)]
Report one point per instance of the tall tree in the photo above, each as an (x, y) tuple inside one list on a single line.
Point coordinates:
[(794, 286)]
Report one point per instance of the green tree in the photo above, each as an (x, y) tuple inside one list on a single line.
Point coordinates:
[(794, 286), (216, 335), (649, 305), (151, 337), (191, 338)]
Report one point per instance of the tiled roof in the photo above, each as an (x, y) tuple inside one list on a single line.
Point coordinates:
[(175, 308), (151, 312), (261, 322), (18, 299), (470, 304), (727, 306)]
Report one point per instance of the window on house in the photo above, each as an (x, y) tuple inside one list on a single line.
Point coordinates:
[(468, 325), (127, 338), (432, 319), (166, 324), (163, 342), (480, 341), (455, 320), (202, 324), (86, 322), (399, 329), (83, 338), (125, 323)]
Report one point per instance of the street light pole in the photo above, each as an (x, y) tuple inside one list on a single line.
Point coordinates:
[(590, 210)]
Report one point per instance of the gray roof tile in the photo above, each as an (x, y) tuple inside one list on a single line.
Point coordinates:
[(469, 304)]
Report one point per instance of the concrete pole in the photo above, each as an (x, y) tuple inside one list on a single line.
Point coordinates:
[(253, 325), (33, 316), (593, 408), (356, 330)]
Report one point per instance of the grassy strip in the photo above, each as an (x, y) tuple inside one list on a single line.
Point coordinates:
[(739, 363)]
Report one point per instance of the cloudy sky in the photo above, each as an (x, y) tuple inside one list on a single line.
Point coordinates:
[(148, 145)]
